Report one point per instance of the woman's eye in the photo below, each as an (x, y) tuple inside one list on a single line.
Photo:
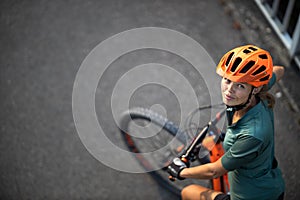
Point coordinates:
[(241, 86)]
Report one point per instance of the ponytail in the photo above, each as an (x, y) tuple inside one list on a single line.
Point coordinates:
[(265, 95)]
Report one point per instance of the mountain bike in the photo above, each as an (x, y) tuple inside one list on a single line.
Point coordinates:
[(146, 131)]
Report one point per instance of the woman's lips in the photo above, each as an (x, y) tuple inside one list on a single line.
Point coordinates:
[(228, 97)]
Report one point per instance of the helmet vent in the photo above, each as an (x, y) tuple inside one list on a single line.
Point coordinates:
[(261, 69), (229, 58), (236, 63), (252, 48), (263, 56), (247, 66), (246, 51), (265, 78)]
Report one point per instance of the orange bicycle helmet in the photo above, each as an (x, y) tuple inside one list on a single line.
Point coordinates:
[(247, 64)]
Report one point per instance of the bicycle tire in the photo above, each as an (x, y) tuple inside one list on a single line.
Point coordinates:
[(169, 130)]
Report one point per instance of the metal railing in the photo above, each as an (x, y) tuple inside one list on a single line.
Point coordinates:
[(284, 15)]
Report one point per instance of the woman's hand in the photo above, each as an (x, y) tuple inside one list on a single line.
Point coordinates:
[(279, 72), (176, 167)]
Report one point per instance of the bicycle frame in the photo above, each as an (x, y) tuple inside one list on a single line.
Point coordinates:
[(221, 183)]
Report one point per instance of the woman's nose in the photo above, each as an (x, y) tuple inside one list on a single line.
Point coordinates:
[(230, 88)]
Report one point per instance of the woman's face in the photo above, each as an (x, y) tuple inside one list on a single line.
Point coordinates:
[(234, 93)]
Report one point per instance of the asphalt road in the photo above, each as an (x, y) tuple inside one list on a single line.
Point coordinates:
[(44, 43)]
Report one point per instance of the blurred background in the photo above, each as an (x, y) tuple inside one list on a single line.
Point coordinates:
[(43, 44)]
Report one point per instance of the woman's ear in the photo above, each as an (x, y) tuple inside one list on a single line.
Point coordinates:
[(257, 90)]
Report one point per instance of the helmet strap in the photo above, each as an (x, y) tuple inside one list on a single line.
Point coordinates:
[(240, 106)]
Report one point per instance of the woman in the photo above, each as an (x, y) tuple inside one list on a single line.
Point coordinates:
[(248, 74)]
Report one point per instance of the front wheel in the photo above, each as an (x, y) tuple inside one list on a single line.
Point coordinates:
[(155, 141)]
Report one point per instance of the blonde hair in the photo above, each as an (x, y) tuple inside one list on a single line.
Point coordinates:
[(265, 95)]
